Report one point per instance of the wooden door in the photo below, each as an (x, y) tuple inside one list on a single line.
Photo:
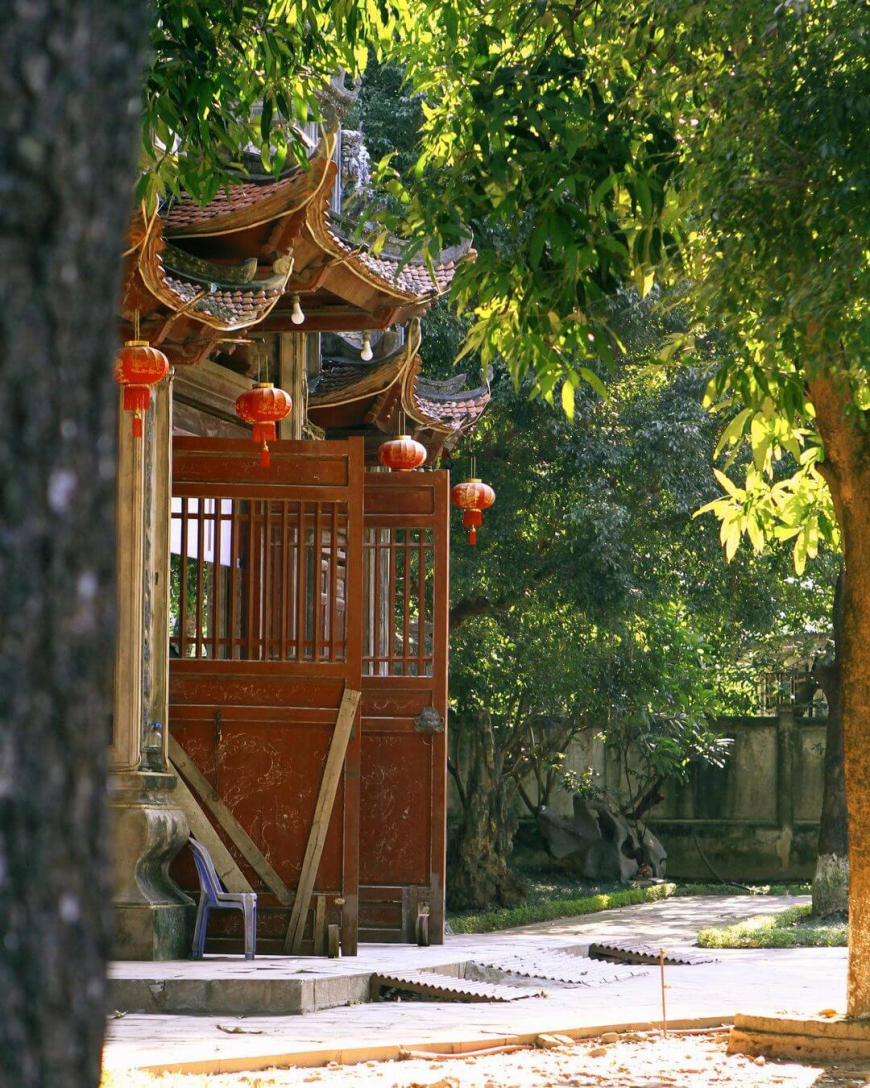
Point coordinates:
[(266, 567), (404, 704)]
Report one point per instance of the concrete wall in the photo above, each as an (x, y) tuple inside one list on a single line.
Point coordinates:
[(756, 818)]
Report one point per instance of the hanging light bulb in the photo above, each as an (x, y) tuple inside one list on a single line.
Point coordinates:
[(297, 317), (367, 352)]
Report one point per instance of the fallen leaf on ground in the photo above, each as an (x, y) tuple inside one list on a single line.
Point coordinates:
[(238, 1031)]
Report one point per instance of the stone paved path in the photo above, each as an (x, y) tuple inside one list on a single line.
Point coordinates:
[(802, 981), (675, 921)]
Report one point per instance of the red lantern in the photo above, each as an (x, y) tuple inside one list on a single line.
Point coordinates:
[(138, 366), (402, 454), (264, 406), (472, 497)]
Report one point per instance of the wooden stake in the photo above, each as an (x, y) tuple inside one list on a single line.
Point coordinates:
[(664, 1005), (238, 836), (322, 813)]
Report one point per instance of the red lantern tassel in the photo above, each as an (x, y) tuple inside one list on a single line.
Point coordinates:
[(137, 399), (265, 460), (472, 519)]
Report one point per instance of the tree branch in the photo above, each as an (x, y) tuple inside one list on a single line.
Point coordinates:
[(469, 607), (460, 789)]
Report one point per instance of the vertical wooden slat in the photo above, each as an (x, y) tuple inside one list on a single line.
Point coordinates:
[(182, 595), (391, 602), (284, 600), (406, 608), (318, 580), (292, 583), (267, 578), (333, 579), (319, 925), (216, 581), (353, 658), (300, 585), (440, 645), (200, 561), (234, 564), (376, 602), (421, 603), (251, 578)]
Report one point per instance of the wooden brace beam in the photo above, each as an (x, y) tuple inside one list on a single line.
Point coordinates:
[(322, 813), (238, 836), (234, 880)]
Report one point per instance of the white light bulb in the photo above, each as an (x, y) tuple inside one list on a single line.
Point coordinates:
[(297, 317), (367, 352)]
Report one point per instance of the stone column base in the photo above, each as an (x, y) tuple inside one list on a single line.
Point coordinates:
[(153, 917)]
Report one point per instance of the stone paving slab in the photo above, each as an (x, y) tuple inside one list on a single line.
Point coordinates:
[(794, 981), (292, 985)]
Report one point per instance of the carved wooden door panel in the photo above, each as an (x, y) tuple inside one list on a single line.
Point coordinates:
[(404, 760), (266, 633)]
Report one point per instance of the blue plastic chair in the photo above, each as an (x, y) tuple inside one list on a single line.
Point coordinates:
[(213, 897)]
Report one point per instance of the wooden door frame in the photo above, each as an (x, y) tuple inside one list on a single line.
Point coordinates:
[(209, 468)]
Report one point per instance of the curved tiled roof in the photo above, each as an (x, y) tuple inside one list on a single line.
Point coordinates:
[(342, 382), (443, 406), (409, 281), (246, 203), (224, 297)]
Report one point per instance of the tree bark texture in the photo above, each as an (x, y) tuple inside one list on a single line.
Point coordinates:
[(478, 876), (847, 471), (70, 88), (831, 879)]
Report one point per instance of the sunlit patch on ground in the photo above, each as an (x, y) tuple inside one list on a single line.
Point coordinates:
[(631, 1060)]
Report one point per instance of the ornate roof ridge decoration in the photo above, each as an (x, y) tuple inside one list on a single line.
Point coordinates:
[(439, 387), (347, 382), (335, 99), (394, 248), (449, 411), (252, 202), (410, 281), (226, 304), (198, 269)]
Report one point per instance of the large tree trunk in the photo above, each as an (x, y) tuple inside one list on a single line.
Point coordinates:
[(831, 879), (70, 88), (847, 470), (478, 876)]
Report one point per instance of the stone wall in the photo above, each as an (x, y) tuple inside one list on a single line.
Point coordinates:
[(756, 818)]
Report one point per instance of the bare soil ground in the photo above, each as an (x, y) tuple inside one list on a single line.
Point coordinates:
[(631, 1060)]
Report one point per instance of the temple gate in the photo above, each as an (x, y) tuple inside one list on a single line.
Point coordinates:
[(289, 586)]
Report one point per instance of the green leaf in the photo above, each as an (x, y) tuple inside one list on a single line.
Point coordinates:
[(734, 431), (568, 399)]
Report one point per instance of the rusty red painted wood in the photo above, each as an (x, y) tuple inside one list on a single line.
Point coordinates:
[(296, 582)]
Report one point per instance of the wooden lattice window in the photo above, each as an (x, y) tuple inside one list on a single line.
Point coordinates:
[(258, 579), (399, 614)]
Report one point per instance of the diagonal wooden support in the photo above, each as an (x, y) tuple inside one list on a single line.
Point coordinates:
[(233, 878), (322, 813), (238, 836)]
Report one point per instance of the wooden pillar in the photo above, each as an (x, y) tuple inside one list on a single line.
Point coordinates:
[(152, 915), (293, 376), (158, 494), (126, 749)]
